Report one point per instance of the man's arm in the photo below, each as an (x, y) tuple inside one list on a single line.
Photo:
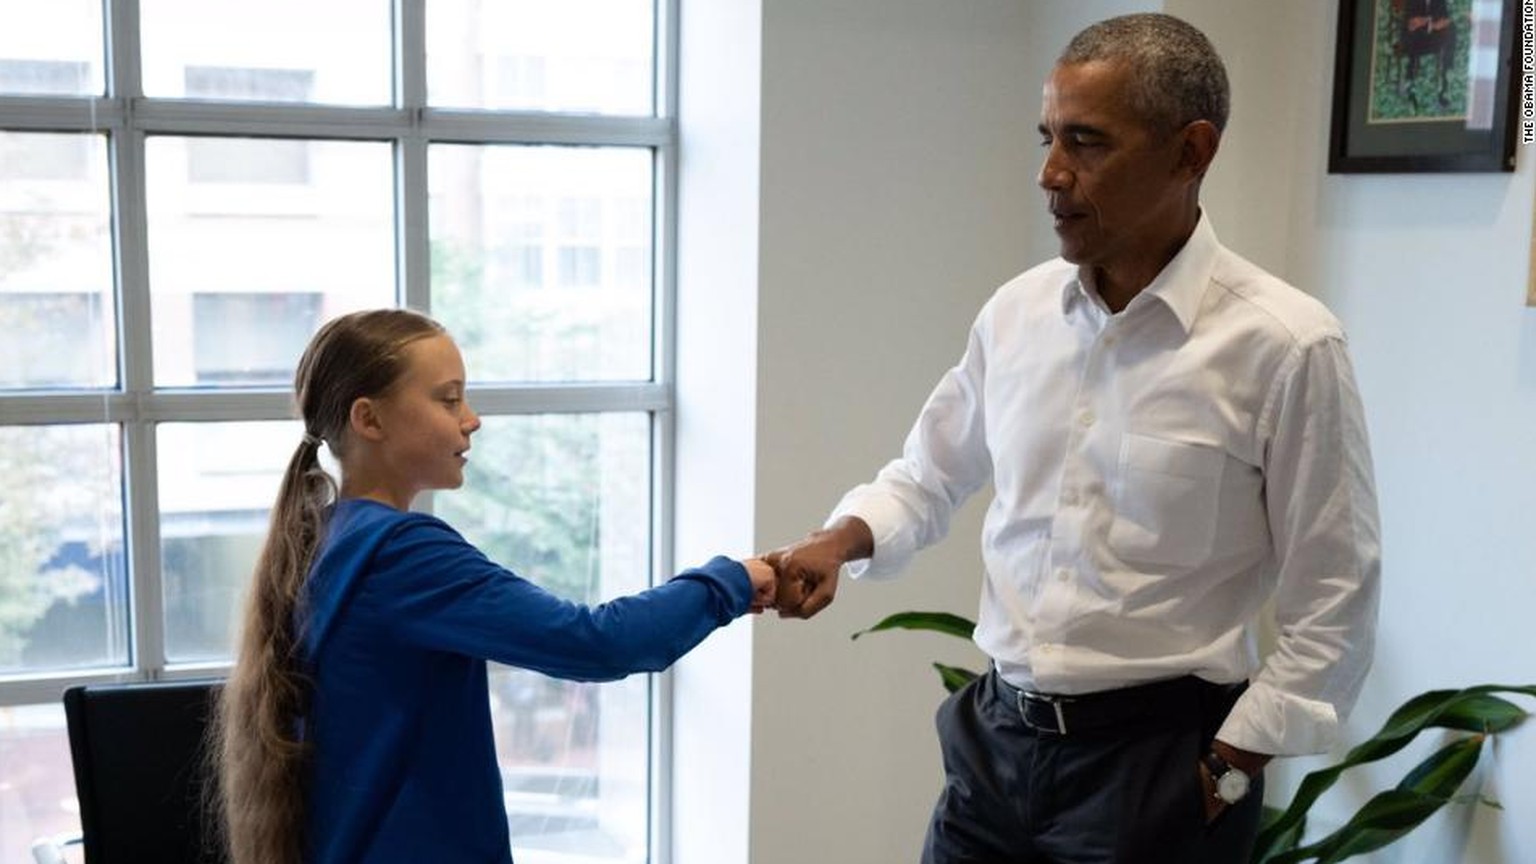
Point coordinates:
[(807, 570), (1321, 501)]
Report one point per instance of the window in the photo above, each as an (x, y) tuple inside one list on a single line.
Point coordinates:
[(247, 160), (44, 156), (226, 349), (257, 85), (51, 339), (501, 165), (44, 76)]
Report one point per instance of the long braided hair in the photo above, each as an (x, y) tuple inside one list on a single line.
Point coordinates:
[(257, 744)]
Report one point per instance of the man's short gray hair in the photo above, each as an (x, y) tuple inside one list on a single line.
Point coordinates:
[(1176, 75)]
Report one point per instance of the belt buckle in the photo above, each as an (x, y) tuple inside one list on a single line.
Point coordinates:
[(1054, 701)]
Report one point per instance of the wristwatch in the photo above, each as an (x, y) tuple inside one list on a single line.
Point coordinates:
[(1231, 783)]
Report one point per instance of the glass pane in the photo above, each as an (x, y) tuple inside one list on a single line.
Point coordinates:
[(56, 306), (564, 500), (217, 485), (37, 791), (63, 574), (337, 52), (51, 49), (253, 243), (541, 260), (579, 56)]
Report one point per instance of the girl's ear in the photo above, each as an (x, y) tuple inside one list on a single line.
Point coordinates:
[(365, 420)]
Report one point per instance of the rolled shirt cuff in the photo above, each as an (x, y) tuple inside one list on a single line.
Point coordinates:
[(1267, 720), (894, 548)]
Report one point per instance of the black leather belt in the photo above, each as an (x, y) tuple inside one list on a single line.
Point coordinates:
[(1185, 698)]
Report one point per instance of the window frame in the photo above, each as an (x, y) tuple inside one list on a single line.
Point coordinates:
[(137, 406)]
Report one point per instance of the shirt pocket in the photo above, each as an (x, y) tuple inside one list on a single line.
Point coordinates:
[(1165, 497)]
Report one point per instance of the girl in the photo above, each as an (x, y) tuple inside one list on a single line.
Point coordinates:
[(355, 725)]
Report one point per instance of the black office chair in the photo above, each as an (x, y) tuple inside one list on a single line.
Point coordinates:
[(141, 771)]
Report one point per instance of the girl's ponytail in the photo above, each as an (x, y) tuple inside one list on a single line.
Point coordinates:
[(257, 739)]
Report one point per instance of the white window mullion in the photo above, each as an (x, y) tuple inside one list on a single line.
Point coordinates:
[(414, 254), (664, 420), (136, 365), (147, 629), (123, 49), (141, 505)]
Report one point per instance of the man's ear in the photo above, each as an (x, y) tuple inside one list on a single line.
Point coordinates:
[(1199, 142), (365, 420)]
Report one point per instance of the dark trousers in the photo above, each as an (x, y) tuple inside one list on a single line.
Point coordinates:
[(1123, 793)]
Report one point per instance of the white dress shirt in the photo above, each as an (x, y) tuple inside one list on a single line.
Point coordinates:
[(1158, 475)]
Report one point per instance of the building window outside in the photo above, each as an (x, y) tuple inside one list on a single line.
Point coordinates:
[(161, 268), (44, 77), (226, 349)]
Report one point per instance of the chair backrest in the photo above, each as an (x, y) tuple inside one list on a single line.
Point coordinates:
[(141, 772)]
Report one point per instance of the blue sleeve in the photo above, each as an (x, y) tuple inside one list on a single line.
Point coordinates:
[(444, 594)]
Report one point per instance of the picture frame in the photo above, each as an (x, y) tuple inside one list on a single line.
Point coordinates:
[(1424, 86)]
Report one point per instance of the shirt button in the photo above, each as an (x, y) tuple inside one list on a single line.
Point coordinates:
[(1063, 574), (1085, 419)]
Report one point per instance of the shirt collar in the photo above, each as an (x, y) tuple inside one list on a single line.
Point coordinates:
[(1180, 285)]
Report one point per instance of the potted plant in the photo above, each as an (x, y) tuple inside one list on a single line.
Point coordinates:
[(1474, 712)]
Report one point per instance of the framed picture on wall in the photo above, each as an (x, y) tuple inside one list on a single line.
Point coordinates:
[(1424, 85)]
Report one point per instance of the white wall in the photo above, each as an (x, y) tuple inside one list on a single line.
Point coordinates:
[(897, 169), (898, 155)]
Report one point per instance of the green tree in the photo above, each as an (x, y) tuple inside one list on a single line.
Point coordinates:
[(532, 499), (55, 476)]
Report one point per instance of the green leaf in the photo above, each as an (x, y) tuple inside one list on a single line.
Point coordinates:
[(1385, 818), (954, 677), (1471, 709), (1279, 841), (939, 622), (1481, 713), (1442, 773)]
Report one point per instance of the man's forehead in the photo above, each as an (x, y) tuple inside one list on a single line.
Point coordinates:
[(1093, 87)]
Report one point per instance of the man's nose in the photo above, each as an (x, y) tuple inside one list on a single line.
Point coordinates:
[(1054, 174)]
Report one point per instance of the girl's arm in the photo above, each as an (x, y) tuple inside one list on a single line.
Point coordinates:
[(443, 593)]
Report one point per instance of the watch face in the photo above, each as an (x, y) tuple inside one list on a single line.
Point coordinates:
[(1232, 786)]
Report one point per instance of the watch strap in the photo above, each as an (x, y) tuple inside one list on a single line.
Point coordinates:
[(1215, 764)]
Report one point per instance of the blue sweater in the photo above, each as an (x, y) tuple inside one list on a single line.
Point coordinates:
[(401, 615)]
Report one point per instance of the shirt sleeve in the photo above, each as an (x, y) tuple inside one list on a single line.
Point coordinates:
[(1321, 501), (442, 593), (943, 462)]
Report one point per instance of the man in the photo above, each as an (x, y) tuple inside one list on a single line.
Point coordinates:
[(1426, 30), (1174, 438)]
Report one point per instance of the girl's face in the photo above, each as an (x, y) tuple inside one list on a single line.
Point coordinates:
[(426, 420)]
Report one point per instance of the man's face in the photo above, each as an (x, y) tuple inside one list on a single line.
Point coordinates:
[(1112, 184)]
